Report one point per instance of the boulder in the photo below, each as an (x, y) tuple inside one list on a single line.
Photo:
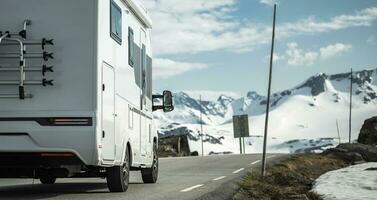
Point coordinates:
[(173, 145), (344, 154), (353, 153), (368, 132)]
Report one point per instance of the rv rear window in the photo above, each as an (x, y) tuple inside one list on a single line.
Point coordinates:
[(131, 47), (116, 22)]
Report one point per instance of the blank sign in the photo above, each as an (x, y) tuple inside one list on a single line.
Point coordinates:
[(241, 126)]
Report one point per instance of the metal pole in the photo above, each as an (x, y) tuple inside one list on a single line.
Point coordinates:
[(350, 117), (179, 146), (243, 143), (240, 145), (337, 128), (268, 96), (201, 123)]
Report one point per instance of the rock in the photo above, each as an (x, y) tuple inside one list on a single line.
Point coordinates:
[(368, 132), (173, 146), (349, 157), (316, 84), (353, 157), (353, 153), (194, 153)]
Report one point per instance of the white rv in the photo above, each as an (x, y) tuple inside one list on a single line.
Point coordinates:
[(76, 91)]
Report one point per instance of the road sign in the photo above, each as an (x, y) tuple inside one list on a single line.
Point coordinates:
[(241, 126)]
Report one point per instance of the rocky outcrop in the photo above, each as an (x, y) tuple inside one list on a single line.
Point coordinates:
[(368, 133), (353, 153), (173, 146), (316, 83)]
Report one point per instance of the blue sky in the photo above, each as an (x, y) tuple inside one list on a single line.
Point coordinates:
[(211, 47)]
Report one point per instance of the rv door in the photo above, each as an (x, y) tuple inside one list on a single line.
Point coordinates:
[(145, 119), (108, 112)]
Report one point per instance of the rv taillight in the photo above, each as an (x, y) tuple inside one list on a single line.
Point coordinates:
[(72, 121)]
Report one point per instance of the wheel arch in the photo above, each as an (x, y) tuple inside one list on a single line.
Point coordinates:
[(129, 150), (155, 140)]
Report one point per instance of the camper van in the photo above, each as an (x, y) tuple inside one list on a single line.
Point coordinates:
[(76, 91)]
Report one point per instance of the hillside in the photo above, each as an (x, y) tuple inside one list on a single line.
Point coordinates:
[(302, 118)]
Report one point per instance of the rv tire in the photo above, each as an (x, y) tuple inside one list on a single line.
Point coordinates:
[(47, 179), (118, 176), (150, 175)]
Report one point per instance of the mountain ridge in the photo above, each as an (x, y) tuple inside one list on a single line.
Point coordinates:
[(302, 118), (252, 103)]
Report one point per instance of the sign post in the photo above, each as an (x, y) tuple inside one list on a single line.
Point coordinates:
[(268, 96), (241, 129)]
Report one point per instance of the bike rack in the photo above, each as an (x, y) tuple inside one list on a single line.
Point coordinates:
[(32, 55), (43, 69), (20, 39)]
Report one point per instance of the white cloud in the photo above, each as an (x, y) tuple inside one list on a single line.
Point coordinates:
[(299, 57), (194, 26), (277, 57), (334, 50), (209, 95), (165, 68), (268, 2), (364, 17)]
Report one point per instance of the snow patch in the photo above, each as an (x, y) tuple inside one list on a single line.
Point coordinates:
[(351, 183)]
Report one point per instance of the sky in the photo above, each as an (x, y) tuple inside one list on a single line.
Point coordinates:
[(213, 47)]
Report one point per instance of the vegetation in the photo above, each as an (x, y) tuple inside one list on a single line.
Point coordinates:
[(292, 178)]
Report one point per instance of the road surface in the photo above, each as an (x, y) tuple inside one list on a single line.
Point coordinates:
[(179, 179)]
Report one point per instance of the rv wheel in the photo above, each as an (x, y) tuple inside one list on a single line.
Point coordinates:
[(118, 176), (150, 175), (47, 179)]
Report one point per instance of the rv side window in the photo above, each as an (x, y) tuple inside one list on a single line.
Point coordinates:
[(131, 47), (149, 78), (116, 22)]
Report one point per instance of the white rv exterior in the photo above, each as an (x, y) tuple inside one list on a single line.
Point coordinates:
[(97, 115)]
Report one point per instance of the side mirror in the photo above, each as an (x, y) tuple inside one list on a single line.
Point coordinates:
[(167, 102)]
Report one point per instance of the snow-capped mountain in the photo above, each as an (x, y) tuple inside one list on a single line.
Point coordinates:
[(308, 111)]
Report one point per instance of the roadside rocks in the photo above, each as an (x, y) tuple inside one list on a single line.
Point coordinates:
[(173, 146), (354, 153), (371, 169), (368, 132)]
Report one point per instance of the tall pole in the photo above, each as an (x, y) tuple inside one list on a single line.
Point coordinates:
[(350, 117), (268, 96), (240, 145), (337, 128), (201, 124), (243, 144)]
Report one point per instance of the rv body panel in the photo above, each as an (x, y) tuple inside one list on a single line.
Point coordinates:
[(93, 79), (71, 24), (130, 126)]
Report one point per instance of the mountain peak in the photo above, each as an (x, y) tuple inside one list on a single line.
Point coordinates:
[(223, 98), (316, 84), (253, 95)]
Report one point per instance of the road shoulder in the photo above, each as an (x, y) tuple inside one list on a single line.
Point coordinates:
[(229, 189)]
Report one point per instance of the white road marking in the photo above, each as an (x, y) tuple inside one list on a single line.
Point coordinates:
[(192, 188), (255, 162), (271, 156), (219, 178), (238, 170)]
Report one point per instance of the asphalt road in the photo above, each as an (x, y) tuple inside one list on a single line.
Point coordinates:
[(179, 179)]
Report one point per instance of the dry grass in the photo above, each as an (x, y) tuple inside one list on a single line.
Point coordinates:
[(289, 179)]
